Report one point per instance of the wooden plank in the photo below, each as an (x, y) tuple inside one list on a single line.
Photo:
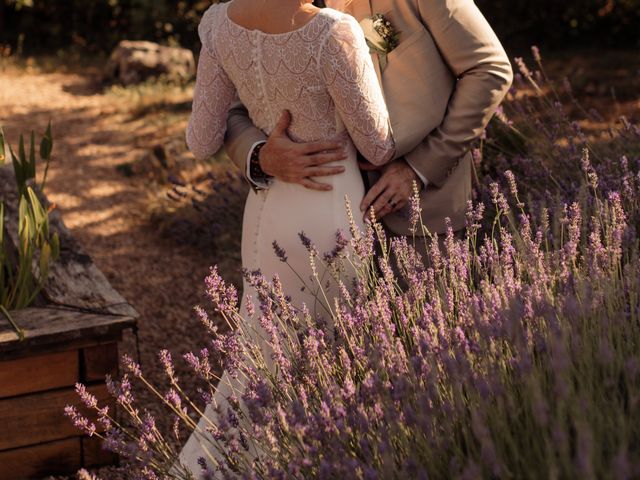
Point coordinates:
[(40, 373), (33, 419), (93, 455), (99, 361), (74, 280), (53, 458), (16, 352), (47, 326)]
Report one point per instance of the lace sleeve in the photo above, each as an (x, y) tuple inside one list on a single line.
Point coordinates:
[(212, 97), (353, 85)]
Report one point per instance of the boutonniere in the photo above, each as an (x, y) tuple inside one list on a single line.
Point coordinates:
[(381, 36)]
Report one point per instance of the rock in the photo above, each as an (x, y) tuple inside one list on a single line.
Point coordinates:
[(133, 62)]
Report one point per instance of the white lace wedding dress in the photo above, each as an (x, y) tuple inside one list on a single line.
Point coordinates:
[(323, 74)]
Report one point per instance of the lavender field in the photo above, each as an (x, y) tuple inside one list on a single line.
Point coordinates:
[(511, 353)]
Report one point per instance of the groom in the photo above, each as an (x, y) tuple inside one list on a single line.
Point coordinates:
[(442, 84)]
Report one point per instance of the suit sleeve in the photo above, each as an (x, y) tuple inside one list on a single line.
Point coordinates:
[(242, 137), (474, 54)]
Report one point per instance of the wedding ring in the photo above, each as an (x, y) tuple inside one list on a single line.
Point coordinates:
[(392, 204)]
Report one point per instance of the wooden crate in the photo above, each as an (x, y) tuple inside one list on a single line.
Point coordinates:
[(71, 336), (36, 439)]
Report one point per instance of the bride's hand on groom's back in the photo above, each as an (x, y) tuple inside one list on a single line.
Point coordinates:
[(294, 162)]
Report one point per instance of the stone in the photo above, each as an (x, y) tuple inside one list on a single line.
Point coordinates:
[(133, 62)]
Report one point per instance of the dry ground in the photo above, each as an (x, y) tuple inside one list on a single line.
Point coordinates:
[(109, 185)]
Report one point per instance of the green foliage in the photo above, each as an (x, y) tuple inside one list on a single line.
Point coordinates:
[(24, 272), (578, 22), (24, 166), (97, 25), (2, 150)]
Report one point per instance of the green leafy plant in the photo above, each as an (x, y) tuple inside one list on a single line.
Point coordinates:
[(24, 272)]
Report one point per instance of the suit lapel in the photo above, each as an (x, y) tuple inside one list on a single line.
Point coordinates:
[(362, 9), (376, 65)]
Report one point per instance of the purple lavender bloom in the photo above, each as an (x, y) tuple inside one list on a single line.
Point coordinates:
[(87, 398), (131, 366), (167, 364), (80, 421), (280, 253)]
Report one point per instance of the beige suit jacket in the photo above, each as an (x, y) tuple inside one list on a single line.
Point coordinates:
[(442, 85)]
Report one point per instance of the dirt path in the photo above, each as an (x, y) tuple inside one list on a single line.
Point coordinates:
[(109, 212)]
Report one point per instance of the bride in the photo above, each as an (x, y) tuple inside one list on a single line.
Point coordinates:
[(276, 55)]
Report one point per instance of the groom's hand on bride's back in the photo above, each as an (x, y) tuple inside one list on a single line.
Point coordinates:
[(294, 162)]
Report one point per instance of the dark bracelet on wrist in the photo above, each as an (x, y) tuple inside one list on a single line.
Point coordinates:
[(255, 170)]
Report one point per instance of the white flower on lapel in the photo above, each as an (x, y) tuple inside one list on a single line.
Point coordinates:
[(371, 34), (381, 36)]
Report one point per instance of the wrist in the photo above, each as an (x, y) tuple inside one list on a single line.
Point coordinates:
[(256, 162), (262, 159)]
